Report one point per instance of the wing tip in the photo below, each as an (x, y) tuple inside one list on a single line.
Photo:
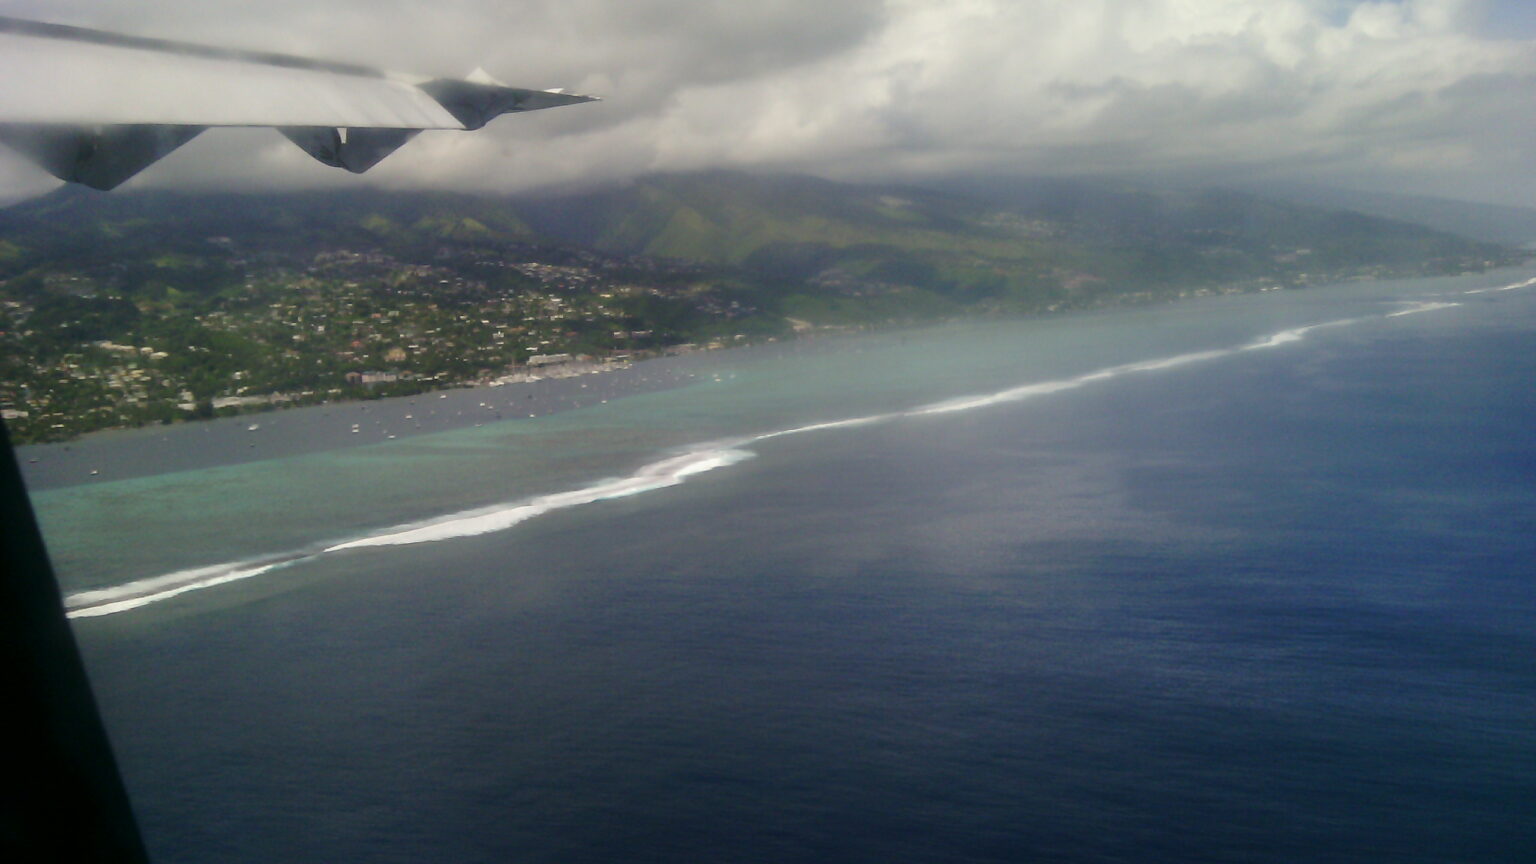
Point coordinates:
[(573, 97)]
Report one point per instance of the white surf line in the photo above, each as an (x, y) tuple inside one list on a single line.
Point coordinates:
[(1296, 334), (660, 474), (657, 475), (132, 595), (1416, 308), (817, 427), (1516, 286)]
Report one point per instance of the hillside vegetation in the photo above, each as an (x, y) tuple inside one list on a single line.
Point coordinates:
[(143, 307)]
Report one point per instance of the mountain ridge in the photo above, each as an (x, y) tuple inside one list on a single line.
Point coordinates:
[(1492, 223)]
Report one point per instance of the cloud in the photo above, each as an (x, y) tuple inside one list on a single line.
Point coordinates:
[(1413, 94)]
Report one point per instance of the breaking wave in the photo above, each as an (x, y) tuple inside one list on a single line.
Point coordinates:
[(660, 474), (1529, 283), (657, 475), (132, 595), (1416, 308), (1295, 334)]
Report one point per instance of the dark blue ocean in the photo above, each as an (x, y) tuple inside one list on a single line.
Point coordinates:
[(1206, 582)]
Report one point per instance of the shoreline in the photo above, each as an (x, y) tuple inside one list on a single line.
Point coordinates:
[(126, 453), (673, 466), (142, 451), (797, 330)]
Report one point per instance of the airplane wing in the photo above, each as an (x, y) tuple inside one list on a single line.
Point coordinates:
[(96, 108)]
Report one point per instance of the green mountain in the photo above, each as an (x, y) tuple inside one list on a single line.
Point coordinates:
[(85, 226), (1492, 223), (1018, 245), (812, 246), (727, 217)]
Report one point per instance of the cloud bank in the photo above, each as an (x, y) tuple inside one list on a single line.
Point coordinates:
[(1418, 95)]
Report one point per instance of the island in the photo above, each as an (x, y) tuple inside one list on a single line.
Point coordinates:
[(156, 307)]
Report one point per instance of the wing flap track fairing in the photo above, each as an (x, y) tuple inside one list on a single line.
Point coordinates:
[(95, 108)]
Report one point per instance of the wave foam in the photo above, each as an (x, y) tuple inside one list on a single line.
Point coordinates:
[(132, 595), (1295, 334), (1416, 308), (656, 475), (1512, 287), (817, 427), (660, 474)]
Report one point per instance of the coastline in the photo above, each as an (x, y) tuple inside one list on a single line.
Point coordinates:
[(384, 383), (149, 450), (672, 463)]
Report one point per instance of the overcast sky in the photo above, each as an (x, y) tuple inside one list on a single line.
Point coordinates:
[(1430, 96)]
